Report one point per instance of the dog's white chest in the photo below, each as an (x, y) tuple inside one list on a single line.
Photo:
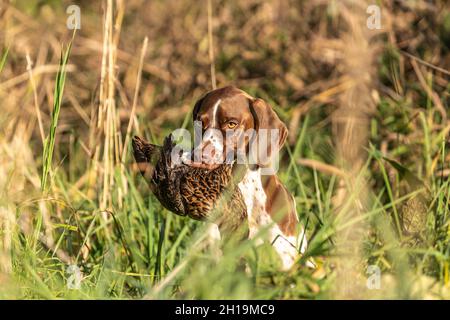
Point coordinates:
[(255, 200)]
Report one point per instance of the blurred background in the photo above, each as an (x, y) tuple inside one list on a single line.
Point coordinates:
[(366, 158)]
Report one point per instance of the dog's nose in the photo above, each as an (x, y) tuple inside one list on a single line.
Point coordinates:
[(210, 148), (210, 152)]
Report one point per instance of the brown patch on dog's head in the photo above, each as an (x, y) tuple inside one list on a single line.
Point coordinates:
[(230, 108)]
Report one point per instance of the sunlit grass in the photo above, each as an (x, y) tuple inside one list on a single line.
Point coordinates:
[(49, 143)]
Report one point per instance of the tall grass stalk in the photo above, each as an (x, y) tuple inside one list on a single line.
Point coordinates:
[(3, 59), (49, 144)]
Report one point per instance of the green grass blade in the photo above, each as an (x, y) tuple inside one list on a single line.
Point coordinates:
[(49, 144), (3, 59)]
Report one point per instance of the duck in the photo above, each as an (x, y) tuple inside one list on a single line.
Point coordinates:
[(201, 194)]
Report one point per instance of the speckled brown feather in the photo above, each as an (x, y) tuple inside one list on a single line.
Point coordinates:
[(199, 193)]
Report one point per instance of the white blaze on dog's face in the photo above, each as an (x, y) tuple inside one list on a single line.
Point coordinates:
[(211, 147)]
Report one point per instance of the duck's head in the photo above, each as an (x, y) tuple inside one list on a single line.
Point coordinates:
[(146, 155)]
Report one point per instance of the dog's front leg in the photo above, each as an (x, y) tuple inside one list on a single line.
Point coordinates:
[(213, 240)]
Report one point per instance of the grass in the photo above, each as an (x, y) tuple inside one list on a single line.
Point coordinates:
[(49, 143), (3, 59), (77, 200)]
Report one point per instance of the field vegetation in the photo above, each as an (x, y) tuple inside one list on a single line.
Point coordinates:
[(367, 156)]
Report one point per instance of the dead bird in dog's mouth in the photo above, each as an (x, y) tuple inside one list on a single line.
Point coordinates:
[(192, 191)]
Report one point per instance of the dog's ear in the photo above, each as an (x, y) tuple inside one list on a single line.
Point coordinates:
[(197, 107), (271, 132)]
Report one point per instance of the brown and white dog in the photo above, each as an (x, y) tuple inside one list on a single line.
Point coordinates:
[(269, 204)]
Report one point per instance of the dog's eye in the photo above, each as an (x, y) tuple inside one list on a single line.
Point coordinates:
[(232, 124)]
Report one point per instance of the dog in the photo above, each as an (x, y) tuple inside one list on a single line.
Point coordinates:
[(269, 204)]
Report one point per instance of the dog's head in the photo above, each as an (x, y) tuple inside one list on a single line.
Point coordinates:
[(234, 124)]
